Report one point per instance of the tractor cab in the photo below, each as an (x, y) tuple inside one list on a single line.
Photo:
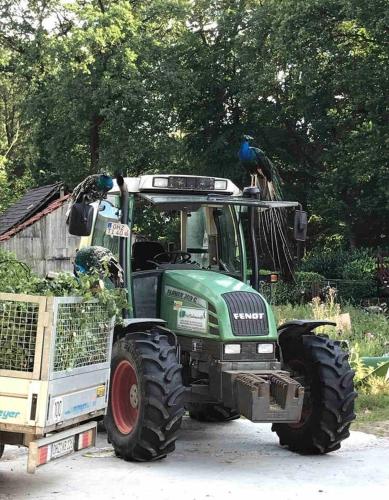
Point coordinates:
[(176, 223)]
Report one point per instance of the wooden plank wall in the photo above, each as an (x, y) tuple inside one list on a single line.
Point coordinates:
[(46, 245)]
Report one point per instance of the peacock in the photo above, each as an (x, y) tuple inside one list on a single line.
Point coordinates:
[(92, 188), (262, 171), (101, 260), (272, 224)]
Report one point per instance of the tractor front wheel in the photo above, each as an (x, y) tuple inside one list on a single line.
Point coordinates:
[(212, 412), (321, 365), (146, 397)]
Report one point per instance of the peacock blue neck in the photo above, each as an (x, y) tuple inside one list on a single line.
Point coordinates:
[(245, 152)]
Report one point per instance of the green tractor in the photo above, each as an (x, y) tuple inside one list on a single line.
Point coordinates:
[(198, 335)]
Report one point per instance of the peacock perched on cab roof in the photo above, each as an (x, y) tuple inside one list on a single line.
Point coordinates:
[(262, 171), (272, 223)]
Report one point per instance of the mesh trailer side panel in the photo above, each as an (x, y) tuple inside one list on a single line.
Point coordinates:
[(18, 335), (82, 336)]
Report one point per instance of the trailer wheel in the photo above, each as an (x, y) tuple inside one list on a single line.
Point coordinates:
[(1, 450), (209, 412), (322, 367), (146, 397)]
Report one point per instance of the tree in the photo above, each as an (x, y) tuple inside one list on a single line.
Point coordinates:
[(172, 85), (104, 105)]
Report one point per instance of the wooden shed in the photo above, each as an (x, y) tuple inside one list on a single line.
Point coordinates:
[(35, 230)]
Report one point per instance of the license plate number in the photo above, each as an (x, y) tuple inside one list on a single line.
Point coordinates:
[(117, 229), (63, 447)]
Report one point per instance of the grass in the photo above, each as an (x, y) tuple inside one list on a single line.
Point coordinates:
[(369, 331), (372, 412), (372, 407)]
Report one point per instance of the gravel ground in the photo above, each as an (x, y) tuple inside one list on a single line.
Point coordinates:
[(229, 461)]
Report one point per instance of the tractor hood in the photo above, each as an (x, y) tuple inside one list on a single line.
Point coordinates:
[(201, 303)]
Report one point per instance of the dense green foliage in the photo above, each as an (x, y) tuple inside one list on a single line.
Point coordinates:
[(171, 85), (16, 277), (76, 328), (353, 272), (357, 264)]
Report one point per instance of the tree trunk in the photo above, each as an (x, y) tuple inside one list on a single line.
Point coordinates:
[(96, 122)]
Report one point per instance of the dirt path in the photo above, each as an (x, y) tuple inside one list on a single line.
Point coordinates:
[(380, 428), (233, 461)]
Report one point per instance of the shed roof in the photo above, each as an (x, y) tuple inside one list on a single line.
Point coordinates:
[(30, 204), (54, 205)]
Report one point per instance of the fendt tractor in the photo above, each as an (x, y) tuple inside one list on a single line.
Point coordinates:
[(197, 335)]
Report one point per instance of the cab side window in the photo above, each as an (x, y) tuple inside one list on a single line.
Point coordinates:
[(107, 212)]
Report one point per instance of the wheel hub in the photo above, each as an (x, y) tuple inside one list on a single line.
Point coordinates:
[(134, 396)]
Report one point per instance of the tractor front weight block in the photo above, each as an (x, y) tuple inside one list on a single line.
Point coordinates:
[(266, 396)]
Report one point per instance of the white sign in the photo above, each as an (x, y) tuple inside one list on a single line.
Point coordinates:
[(189, 318), (118, 229), (63, 447), (57, 409)]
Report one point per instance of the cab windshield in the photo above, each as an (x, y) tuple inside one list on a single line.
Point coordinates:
[(212, 239), (209, 234)]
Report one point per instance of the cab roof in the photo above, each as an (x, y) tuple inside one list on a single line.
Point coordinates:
[(192, 184)]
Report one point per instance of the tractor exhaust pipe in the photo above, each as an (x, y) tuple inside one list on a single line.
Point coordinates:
[(254, 193), (123, 261)]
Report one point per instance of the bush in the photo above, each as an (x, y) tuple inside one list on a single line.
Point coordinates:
[(355, 270), (362, 268), (355, 291), (329, 264), (357, 264)]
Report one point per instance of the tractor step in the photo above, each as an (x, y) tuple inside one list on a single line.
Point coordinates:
[(267, 396)]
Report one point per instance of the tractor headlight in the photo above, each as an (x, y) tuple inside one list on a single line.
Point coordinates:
[(161, 182), (265, 348), (220, 185), (232, 349)]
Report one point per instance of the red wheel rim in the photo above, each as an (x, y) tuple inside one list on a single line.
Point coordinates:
[(125, 396)]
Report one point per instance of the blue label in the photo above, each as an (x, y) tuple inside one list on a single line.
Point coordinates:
[(6, 414)]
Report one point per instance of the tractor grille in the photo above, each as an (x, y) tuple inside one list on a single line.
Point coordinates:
[(248, 314)]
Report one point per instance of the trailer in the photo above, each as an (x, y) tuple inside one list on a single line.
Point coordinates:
[(55, 357)]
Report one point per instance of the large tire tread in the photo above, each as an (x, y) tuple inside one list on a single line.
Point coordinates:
[(333, 398), (159, 375)]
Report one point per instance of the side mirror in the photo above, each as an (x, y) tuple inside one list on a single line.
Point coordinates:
[(81, 219), (300, 225)]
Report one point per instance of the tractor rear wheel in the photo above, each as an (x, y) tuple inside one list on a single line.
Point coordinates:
[(212, 412), (321, 365), (146, 397)]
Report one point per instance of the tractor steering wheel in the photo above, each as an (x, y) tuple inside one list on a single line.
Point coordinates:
[(176, 257)]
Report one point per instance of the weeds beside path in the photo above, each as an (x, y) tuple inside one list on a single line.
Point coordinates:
[(372, 414)]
